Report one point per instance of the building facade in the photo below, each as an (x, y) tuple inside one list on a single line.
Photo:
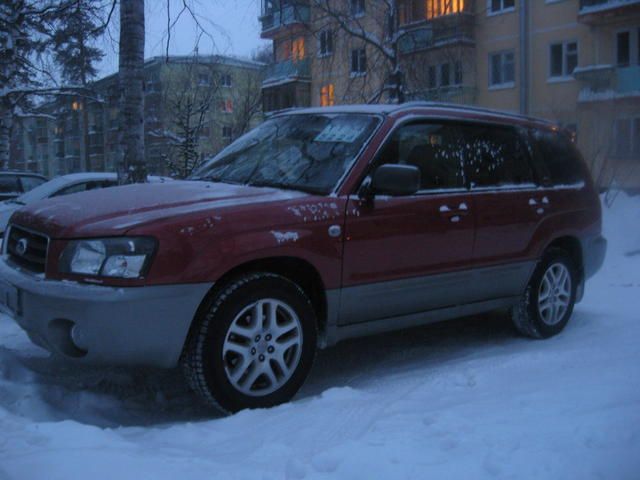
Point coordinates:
[(195, 104), (575, 62)]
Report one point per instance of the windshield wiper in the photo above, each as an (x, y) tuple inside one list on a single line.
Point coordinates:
[(286, 186)]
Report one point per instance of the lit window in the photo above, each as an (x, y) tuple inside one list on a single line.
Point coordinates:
[(226, 106), (327, 95), (438, 8), (75, 105), (297, 49)]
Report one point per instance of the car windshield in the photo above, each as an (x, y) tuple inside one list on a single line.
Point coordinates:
[(308, 152)]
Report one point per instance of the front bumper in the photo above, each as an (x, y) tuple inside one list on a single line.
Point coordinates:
[(99, 324)]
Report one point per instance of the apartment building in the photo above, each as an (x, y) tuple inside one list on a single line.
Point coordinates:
[(205, 100), (576, 62)]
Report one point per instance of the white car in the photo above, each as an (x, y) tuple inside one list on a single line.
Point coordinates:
[(63, 185)]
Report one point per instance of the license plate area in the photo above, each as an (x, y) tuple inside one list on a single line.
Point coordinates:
[(10, 297)]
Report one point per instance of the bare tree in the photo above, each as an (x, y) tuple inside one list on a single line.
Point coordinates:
[(131, 77)]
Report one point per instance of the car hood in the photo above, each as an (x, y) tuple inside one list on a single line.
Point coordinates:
[(114, 211)]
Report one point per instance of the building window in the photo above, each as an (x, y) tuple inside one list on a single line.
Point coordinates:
[(432, 76), (327, 96), (325, 43), (358, 62), (203, 80), (438, 8), (227, 132), (623, 49), (225, 80), (627, 137), (563, 59), (226, 106), (297, 49), (445, 75), (501, 6), (457, 73), (357, 8), (502, 69)]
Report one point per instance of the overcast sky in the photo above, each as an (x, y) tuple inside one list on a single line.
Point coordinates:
[(233, 24)]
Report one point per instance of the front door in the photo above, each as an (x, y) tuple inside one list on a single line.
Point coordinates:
[(405, 255)]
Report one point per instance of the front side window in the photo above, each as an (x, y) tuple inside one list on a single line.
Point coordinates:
[(9, 184), (308, 152), (31, 182), (435, 149), (358, 62), (502, 70), (563, 59), (500, 6)]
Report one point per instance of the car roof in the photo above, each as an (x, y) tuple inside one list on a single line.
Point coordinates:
[(450, 110), (22, 173)]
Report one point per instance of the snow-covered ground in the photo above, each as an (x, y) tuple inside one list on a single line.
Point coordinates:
[(462, 400)]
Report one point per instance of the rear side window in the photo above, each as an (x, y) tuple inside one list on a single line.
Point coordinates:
[(497, 157), (9, 184), (557, 159), (434, 148), (31, 182)]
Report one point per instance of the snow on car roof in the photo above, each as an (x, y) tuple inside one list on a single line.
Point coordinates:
[(424, 108)]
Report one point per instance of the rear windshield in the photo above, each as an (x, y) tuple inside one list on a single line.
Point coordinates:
[(308, 152)]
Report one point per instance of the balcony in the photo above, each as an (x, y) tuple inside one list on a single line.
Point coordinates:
[(603, 11), (287, 15), (437, 32), (287, 71), (606, 82)]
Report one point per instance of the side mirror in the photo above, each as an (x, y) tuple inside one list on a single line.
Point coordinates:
[(393, 179)]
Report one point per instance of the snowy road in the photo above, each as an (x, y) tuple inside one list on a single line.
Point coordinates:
[(463, 400)]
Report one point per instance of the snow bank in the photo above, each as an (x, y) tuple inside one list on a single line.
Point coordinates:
[(464, 399)]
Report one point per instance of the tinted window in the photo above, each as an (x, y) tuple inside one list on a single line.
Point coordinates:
[(496, 156), (31, 182), (435, 149), (9, 184), (78, 187), (557, 158)]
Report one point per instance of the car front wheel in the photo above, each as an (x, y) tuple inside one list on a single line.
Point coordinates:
[(254, 345)]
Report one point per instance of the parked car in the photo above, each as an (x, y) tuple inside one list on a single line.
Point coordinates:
[(63, 185), (319, 225), (14, 183)]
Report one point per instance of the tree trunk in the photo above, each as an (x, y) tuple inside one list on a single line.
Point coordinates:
[(132, 90), (6, 120)]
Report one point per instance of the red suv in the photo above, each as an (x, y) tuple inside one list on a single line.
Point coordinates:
[(317, 226)]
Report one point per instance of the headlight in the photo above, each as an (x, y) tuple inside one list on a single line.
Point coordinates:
[(126, 257)]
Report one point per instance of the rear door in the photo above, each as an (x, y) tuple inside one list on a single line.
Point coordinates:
[(509, 207), (405, 255)]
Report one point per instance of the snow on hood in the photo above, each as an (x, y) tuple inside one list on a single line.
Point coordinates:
[(113, 211)]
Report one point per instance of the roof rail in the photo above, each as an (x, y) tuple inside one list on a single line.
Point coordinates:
[(471, 108)]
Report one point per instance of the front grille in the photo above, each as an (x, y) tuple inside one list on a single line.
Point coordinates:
[(27, 249)]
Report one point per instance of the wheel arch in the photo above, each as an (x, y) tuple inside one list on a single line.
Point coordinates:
[(296, 269), (570, 244)]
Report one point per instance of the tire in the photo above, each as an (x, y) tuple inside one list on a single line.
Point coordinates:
[(548, 301), (234, 360)]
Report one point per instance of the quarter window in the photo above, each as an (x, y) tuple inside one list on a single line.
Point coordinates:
[(502, 69), (557, 158)]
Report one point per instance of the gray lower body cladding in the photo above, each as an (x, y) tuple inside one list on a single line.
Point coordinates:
[(103, 325)]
